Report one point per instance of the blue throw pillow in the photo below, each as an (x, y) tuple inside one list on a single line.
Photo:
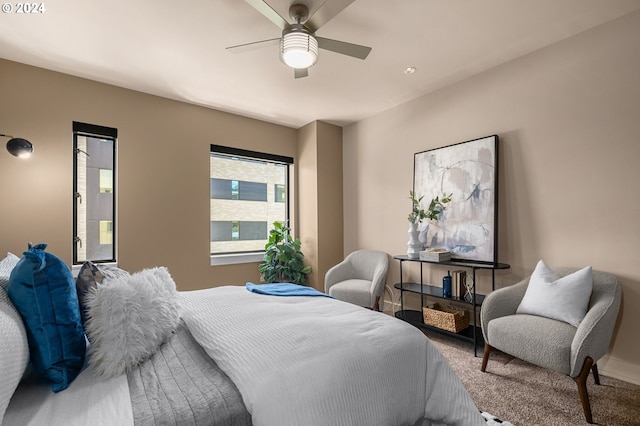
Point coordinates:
[(42, 289)]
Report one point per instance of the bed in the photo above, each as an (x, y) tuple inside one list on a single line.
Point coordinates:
[(237, 357)]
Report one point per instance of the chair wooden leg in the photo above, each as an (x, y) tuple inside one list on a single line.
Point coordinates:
[(596, 376), (376, 305), (485, 357), (581, 381)]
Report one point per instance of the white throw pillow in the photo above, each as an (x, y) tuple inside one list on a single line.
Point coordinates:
[(14, 350), (129, 318), (561, 298)]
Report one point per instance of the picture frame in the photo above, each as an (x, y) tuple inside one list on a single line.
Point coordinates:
[(467, 226)]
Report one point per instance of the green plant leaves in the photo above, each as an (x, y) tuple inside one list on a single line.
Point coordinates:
[(436, 207), (283, 261)]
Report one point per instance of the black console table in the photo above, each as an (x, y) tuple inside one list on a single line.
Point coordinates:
[(473, 332)]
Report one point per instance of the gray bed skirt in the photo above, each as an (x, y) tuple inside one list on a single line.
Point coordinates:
[(182, 385)]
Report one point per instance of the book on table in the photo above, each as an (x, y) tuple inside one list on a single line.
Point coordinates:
[(458, 283)]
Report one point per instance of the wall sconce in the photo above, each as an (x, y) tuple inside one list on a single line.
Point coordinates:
[(19, 147)]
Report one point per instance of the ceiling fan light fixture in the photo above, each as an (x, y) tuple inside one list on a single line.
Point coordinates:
[(298, 49)]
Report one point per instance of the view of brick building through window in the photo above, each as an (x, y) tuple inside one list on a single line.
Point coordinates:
[(248, 194), (94, 193)]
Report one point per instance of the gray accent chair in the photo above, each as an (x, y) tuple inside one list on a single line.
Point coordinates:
[(359, 279), (553, 344)]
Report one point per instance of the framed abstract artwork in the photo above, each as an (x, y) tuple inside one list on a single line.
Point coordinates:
[(467, 226)]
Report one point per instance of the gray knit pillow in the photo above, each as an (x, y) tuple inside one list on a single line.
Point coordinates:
[(14, 350), (6, 266)]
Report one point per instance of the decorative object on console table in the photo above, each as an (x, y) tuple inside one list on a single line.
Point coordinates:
[(415, 217), (446, 317), (446, 285), (433, 213), (414, 245), (458, 280), (435, 255), (468, 290)]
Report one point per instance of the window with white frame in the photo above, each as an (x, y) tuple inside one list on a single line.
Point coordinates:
[(94, 193), (249, 192)]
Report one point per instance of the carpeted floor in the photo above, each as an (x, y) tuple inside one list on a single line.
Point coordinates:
[(526, 395)]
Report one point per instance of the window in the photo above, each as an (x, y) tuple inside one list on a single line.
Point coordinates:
[(224, 189), (281, 193), (106, 180), (238, 231), (94, 191), (249, 192), (106, 232), (235, 192)]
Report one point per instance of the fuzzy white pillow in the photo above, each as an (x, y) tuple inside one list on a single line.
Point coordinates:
[(129, 318), (560, 298)]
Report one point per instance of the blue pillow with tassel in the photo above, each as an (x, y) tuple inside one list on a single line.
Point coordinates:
[(43, 291)]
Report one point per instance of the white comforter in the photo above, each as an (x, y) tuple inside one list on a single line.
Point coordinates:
[(318, 361)]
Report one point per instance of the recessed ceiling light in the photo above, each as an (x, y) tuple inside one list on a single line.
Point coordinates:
[(410, 70)]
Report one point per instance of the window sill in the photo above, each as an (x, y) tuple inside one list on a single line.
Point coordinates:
[(232, 259), (75, 269)]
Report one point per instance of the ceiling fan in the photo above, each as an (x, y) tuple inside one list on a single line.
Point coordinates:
[(299, 44)]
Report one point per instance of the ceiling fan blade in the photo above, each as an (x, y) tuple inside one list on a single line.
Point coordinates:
[(269, 13), (300, 72), (241, 48), (344, 48), (325, 13)]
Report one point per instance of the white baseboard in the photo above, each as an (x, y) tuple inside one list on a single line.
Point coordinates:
[(619, 369)]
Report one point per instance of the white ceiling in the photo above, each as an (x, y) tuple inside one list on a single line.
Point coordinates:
[(176, 49)]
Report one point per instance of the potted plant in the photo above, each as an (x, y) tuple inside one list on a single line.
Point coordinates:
[(436, 207), (418, 214), (283, 261)]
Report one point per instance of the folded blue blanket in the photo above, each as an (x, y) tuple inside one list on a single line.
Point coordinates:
[(284, 289)]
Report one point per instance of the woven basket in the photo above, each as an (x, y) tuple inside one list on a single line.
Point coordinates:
[(450, 318)]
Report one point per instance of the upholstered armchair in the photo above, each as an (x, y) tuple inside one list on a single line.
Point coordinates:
[(359, 279), (549, 343)]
